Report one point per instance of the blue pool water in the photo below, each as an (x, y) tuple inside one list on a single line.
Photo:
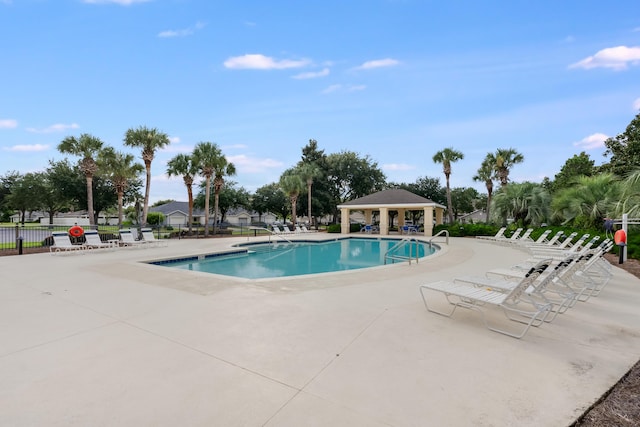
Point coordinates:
[(298, 258)]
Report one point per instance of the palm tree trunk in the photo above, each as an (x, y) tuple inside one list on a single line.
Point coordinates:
[(120, 198), (309, 202), (190, 192), (449, 203), (207, 195), (147, 189), (92, 220), (215, 211)]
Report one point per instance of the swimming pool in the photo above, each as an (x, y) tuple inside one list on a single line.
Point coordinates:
[(268, 260)]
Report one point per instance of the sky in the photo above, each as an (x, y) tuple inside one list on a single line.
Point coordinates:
[(394, 80)]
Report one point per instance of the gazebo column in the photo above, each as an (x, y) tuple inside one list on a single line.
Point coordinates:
[(368, 216), (344, 221), (400, 218), (384, 221), (428, 220), (439, 216)]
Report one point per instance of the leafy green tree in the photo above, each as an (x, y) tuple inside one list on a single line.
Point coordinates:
[(233, 197), (624, 150), (463, 200), (25, 195), (578, 165), (630, 198), (121, 169), (527, 203), (588, 201), (59, 182), (149, 140), (446, 157), (269, 198), (210, 161), (426, 187), (87, 147), (6, 181), (486, 174), (291, 184), (352, 176), (183, 165)]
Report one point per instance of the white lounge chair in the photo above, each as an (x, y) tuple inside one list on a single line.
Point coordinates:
[(517, 304), (92, 241), (498, 235), (150, 238), (127, 239), (62, 243)]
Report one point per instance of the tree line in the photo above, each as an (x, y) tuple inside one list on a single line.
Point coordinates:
[(103, 178)]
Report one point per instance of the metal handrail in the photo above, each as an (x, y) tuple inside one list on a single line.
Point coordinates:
[(401, 243), (438, 234)]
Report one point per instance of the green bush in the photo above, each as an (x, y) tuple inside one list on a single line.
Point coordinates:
[(334, 228), (155, 218)]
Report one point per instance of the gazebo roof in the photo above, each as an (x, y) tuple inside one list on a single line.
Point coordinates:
[(393, 198)]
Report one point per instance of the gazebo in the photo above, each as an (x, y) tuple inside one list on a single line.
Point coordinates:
[(392, 200)]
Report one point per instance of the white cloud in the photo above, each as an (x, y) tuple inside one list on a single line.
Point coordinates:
[(355, 88), (332, 88), (181, 33), (397, 167), (636, 104), (261, 62), (8, 124), (58, 127), (592, 142), (34, 147), (120, 2), (248, 164), (378, 63), (312, 74), (617, 58)]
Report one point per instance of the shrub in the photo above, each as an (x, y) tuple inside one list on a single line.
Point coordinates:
[(335, 228)]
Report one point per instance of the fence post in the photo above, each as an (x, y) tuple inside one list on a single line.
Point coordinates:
[(625, 226)]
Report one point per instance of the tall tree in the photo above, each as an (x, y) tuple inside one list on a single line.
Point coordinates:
[(183, 165), (504, 159), (485, 174), (149, 140), (351, 176), (322, 202), (624, 150), (308, 172), (269, 198), (87, 147), (210, 161), (121, 169), (578, 165), (26, 192), (446, 157), (291, 184)]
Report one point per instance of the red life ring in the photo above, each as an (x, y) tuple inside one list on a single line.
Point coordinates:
[(76, 231), (620, 238)]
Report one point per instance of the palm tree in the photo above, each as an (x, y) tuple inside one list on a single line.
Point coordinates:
[(183, 165), (446, 157), (210, 161), (291, 184), (589, 200), (120, 169), (308, 172), (504, 159), (149, 140), (486, 174), (525, 202), (87, 147)]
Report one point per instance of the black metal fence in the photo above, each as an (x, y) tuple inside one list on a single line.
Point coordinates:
[(34, 238)]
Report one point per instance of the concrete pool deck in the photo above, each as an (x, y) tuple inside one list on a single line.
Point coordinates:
[(103, 340)]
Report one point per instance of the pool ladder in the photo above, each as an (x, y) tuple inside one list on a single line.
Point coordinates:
[(412, 242)]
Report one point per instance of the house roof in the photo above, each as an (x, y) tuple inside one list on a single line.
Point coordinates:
[(390, 198), (174, 206)]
